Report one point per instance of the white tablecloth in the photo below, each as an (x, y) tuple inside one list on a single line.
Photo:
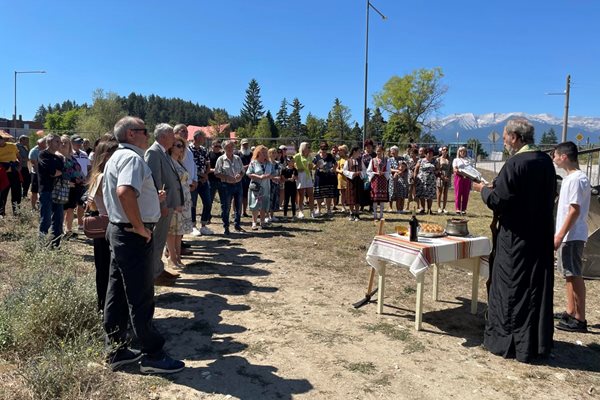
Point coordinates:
[(418, 256)]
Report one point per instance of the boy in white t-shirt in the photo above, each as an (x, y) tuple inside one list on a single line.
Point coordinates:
[(571, 235)]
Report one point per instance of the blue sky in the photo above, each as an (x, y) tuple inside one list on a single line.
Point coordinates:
[(497, 56)]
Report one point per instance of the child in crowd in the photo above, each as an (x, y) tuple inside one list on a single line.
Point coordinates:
[(402, 186), (571, 235), (353, 173), (289, 176), (378, 172), (275, 180)]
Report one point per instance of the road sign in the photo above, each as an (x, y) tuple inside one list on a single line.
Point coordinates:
[(579, 137), (494, 136)]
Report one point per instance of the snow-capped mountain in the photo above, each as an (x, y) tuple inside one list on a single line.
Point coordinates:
[(469, 125)]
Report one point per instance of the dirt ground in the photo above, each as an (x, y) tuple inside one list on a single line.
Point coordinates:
[(269, 315)]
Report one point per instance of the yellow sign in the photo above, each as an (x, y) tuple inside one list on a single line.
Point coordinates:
[(579, 137)]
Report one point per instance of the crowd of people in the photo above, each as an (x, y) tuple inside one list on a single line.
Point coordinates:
[(149, 197)]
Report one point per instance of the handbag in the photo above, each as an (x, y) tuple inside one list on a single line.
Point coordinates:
[(94, 224), (254, 186), (60, 191)]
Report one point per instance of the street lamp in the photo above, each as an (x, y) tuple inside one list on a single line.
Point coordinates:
[(365, 116), (566, 116), (15, 114)]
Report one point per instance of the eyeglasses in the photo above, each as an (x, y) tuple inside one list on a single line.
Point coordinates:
[(143, 130)]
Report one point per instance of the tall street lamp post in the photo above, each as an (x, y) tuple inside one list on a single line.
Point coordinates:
[(15, 114), (365, 115), (566, 115)]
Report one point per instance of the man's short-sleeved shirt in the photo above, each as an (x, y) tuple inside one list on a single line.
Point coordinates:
[(574, 189), (231, 168), (127, 167), (34, 155)]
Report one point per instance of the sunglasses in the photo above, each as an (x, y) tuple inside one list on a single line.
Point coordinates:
[(179, 146), (143, 130)]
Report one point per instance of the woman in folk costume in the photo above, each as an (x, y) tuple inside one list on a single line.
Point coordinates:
[(353, 173), (379, 175)]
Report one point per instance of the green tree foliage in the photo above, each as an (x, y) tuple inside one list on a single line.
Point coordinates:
[(549, 137), (396, 131), (62, 121), (477, 148), (282, 118), (106, 110), (295, 120), (355, 135), (376, 125), (315, 128), (428, 139), (337, 122), (266, 129), (220, 123), (252, 109), (415, 97)]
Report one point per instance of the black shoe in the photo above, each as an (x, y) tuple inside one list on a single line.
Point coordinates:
[(562, 316), (572, 325), (226, 231), (245, 215), (239, 229), (160, 365), (185, 245), (123, 357)]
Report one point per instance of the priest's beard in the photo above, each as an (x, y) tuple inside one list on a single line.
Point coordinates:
[(246, 151), (511, 150)]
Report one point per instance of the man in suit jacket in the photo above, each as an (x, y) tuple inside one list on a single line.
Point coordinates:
[(165, 178)]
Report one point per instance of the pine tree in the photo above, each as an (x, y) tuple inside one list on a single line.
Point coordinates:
[(549, 137), (282, 118), (295, 120), (315, 128), (337, 122), (252, 110), (376, 126), (355, 135)]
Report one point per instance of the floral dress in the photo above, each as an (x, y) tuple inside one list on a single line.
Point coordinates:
[(426, 180), (181, 223), (260, 200)]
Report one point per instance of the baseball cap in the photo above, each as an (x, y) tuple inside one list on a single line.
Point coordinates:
[(244, 141), (23, 137), (283, 147), (76, 139)]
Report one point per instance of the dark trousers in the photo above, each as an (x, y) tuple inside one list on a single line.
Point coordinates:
[(227, 193), (14, 187), (289, 193), (130, 293), (26, 181), (203, 190), (102, 263), (51, 214)]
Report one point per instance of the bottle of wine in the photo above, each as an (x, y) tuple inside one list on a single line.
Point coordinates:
[(413, 225)]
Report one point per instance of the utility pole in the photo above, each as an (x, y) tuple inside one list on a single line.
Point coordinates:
[(566, 118)]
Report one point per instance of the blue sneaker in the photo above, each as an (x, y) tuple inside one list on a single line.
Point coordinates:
[(123, 357), (161, 364)]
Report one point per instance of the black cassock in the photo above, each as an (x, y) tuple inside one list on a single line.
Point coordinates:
[(520, 317)]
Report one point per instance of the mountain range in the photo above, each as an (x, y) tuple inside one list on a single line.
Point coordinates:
[(469, 126)]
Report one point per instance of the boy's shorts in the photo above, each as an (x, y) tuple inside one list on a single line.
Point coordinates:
[(569, 258)]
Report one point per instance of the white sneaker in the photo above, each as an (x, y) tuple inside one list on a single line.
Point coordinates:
[(206, 231), (300, 215), (196, 232), (315, 214), (439, 210)]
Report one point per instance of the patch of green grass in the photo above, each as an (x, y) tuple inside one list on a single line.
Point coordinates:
[(409, 290), (383, 380), (413, 346), (389, 330), (366, 367)]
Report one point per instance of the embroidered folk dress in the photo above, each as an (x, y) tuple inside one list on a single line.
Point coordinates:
[(181, 222), (379, 183)]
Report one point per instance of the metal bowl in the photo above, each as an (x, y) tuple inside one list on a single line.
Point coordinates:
[(457, 227)]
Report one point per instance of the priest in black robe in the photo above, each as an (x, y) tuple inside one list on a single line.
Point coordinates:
[(520, 315)]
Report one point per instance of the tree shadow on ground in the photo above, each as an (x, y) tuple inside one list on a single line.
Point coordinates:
[(205, 337)]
